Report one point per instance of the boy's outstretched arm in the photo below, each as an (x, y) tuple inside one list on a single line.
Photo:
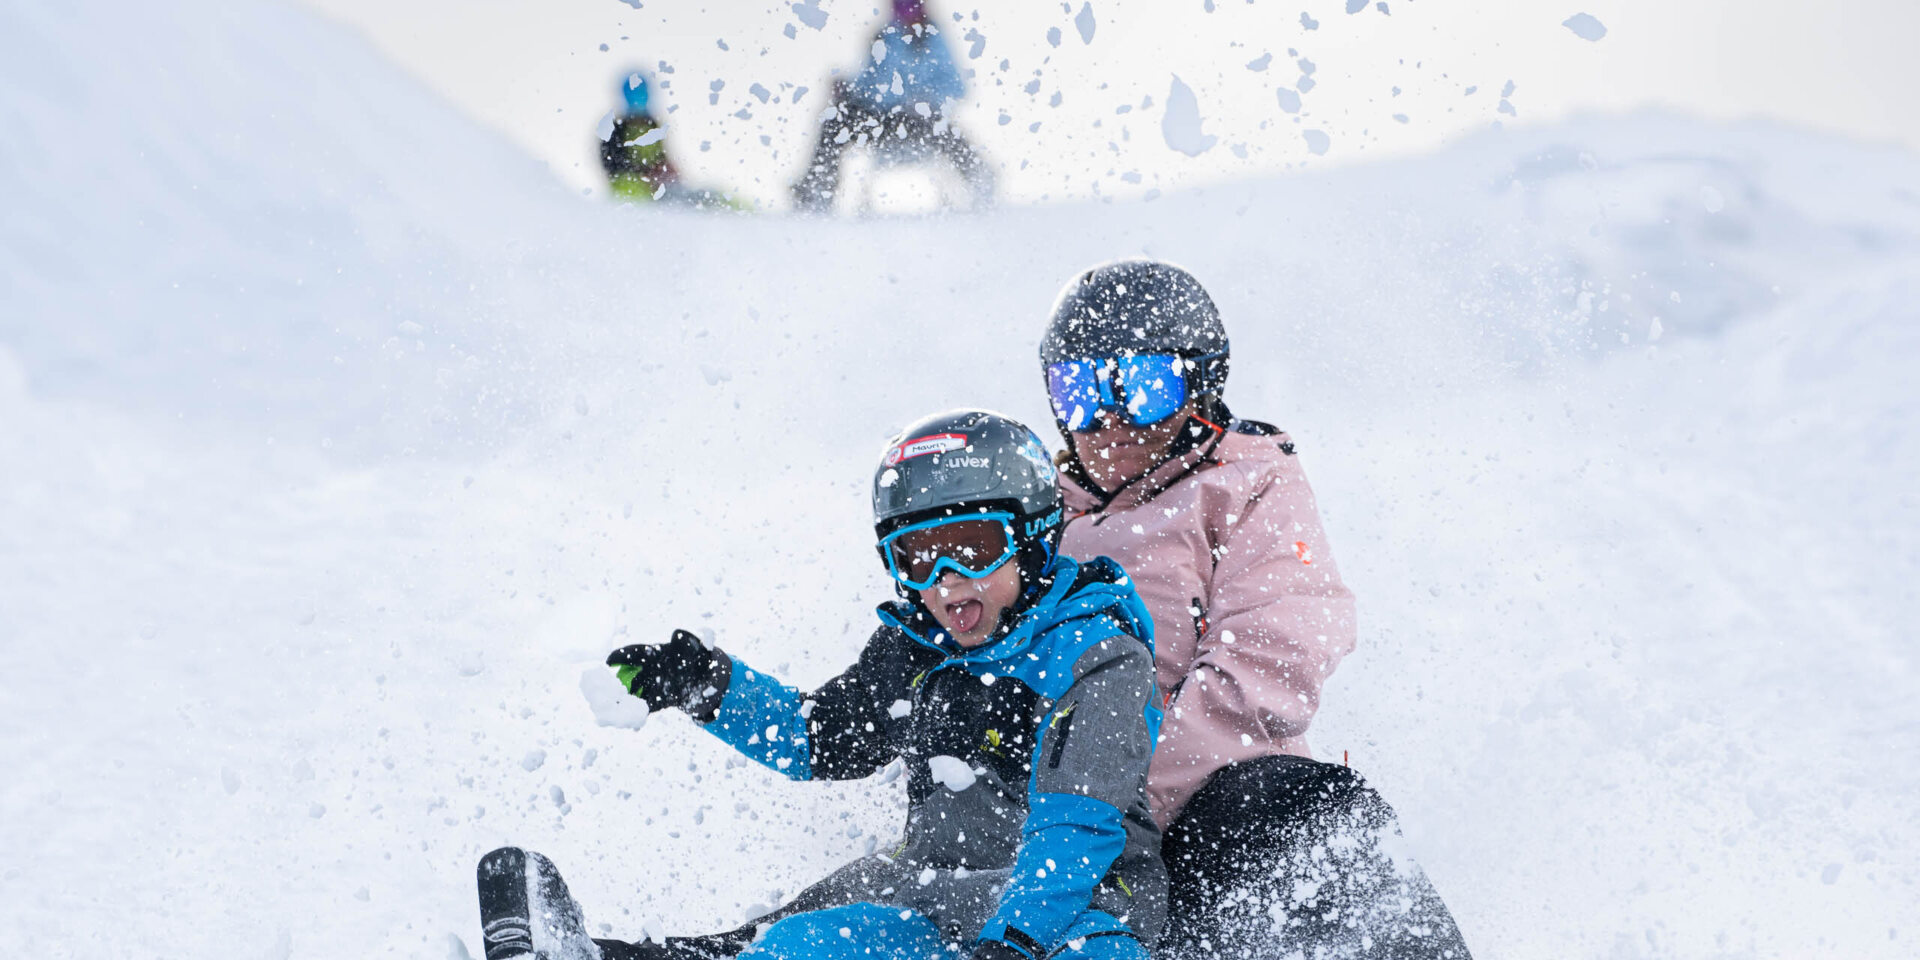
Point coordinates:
[(1089, 768), (829, 734)]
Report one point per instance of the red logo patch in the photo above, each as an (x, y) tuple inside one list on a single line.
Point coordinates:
[(1300, 550), (921, 446)]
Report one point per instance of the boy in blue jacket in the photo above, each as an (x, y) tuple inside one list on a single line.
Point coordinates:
[(1016, 685)]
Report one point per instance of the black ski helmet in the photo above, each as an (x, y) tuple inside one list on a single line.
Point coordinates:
[(971, 461), (1137, 306)]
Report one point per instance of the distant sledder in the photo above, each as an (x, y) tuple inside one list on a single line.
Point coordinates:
[(897, 109), (634, 156)]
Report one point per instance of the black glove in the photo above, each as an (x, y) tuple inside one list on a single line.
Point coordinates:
[(995, 950), (672, 674)]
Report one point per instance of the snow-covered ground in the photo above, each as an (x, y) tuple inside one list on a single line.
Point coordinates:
[(336, 443)]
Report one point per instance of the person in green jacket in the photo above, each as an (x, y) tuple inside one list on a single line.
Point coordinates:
[(634, 155)]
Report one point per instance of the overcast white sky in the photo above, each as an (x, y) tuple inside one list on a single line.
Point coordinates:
[(536, 71)]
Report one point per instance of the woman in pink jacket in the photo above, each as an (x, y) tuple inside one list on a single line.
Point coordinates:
[(1269, 851)]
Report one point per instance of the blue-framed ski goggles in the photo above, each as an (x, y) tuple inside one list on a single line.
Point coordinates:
[(972, 545), (1144, 389)]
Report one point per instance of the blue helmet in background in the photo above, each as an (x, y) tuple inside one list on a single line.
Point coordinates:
[(634, 88)]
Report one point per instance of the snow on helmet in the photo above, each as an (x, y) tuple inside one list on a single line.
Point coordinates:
[(633, 88), (1139, 306), (971, 461)]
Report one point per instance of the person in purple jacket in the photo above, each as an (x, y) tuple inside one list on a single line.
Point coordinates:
[(1270, 853), (898, 106)]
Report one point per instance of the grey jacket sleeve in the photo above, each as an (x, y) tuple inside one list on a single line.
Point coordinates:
[(1097, 740), (1090, 770)]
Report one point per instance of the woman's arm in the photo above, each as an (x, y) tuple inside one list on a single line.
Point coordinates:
[(1278, 620)]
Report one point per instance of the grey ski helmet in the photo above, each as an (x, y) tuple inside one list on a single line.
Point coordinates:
[(1139, 306), (966, 461)]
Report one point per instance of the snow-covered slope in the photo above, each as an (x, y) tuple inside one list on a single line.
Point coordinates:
[(336, 443)]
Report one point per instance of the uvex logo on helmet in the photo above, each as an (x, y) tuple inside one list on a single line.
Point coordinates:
[(1034, 527), (922, 446)]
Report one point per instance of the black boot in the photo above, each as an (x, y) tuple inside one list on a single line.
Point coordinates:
[(526, 912)]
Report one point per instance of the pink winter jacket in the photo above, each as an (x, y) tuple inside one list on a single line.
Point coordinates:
[(1249, 614)]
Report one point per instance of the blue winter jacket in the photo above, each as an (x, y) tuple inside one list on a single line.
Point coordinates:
[(1026, 757), (908, 64)]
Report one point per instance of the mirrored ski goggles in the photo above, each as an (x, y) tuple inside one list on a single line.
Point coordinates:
[(1144, 389), (973, 546)]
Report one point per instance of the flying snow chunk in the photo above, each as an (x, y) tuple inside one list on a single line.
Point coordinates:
[(1585, 26), (1317, 141), (612, 706), (1083, 22), (809, 14), (456, 948), (470, 663), (1255, 65), (605, 129), (951, 772), (1355, 6), (1181, 123), (533, 760), (650, 927), (1307, 22), (977, 44), (1289, 99)]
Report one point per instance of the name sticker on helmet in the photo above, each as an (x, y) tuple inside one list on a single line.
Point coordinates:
[(922, 446)]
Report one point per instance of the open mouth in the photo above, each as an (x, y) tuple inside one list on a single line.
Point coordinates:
[(963, 616)]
